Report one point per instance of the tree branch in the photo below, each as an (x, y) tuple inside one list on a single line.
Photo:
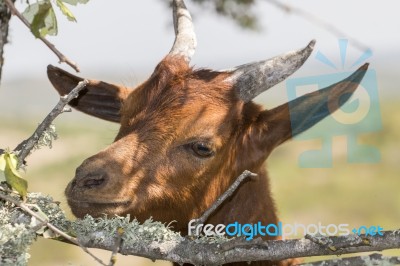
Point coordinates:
[(25, 147), (5, 16), (154, 240), (319, 22), (61, 57), (372, 259), (227, 194), (207, 252), (26, 209), (43, 221)]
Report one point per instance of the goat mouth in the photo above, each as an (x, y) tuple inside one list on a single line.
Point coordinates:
[(96, 206)]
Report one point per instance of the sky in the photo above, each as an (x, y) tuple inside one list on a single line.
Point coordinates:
[(134, 37), (122, 42)]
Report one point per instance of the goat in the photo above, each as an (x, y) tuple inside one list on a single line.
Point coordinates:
[(186, 134)]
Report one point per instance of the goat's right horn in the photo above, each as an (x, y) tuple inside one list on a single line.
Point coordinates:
[(252, 79), (185, 38)]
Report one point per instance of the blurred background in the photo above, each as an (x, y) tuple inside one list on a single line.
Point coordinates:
[(122, 42)]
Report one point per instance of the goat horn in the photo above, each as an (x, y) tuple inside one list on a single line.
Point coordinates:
[(185, 38), (252, 79)]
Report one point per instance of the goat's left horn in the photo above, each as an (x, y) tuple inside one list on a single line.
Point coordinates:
[(185, 38), (252, 79)]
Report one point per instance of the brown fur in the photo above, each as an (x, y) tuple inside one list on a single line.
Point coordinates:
[(153, 170), (157, 173)]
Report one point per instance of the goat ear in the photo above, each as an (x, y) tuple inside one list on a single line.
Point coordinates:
[(99, 99), (296, 116)]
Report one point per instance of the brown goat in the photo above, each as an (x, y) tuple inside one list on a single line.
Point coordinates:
[(187, 134)]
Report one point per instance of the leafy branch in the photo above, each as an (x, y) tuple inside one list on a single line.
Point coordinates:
[(40, 18)]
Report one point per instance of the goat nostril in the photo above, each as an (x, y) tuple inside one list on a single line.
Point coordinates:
[(93, 181)]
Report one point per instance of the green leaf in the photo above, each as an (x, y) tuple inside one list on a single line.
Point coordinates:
[(13, 178), (75, 2), (30, 12), (64, 9), (14, 161), (42, 18), (51, 23)]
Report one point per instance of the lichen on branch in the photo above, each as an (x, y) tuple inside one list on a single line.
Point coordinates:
[(154, 240)]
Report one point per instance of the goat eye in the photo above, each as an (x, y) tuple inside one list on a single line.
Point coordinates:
[(202, 149)]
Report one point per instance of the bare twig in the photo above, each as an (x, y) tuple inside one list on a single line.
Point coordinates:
[(229, 192), (61, 57), (320, 22), (25, 147)]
